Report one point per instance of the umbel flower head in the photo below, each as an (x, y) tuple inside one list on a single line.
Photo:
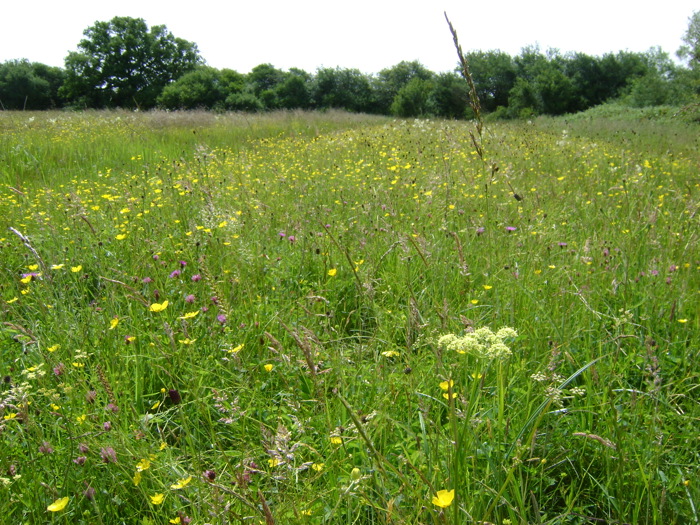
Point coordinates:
[(482, 343)]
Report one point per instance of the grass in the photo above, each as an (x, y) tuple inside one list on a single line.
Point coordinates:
[(228, 319)]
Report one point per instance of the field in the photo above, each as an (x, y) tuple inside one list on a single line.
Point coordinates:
[(333, 319)]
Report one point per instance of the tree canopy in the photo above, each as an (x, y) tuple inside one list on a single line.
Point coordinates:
[(124, 63)]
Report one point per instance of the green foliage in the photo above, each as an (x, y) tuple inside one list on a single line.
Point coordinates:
[(342, 88), (205, 87), (25, 85), (123, 63)]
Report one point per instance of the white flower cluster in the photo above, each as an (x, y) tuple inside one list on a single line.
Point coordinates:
[(482, 343)]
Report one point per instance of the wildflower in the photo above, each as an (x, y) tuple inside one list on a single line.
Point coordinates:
[(58, 505), (89, 493), (390, 353), (221, 318), (268, 367), (13, 300), (45, 448), (209, 475), (121, 236), (137, 478), (511, 228), (444, 498), (318, 467), (196, 277), (142, 465), (158, 307), (336, 440), (108, 455), (236, 349), (76, 269), (157, 499), (446, 385), (175, 273), (332, 272), (189, 299), (113, 323), (181, 483), (487, 287), (174, 396), (189, 315), (480, 230), (53, 348), (128, 339), (355, 474), (57, 266), (80, 460), (682, 320), (146, 280), (9, 416)]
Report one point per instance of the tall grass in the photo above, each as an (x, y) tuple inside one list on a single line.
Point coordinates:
[(231, 319)]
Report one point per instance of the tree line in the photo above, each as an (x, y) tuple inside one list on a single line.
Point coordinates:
[(124, 63)]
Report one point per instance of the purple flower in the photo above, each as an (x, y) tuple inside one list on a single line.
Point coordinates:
[(562, 244), (89, 493), (175, 273), (155, 257), (80, 460), (146, 280), (480, 230), (189, 299), (183, 264), (511, 228), (59, 369), (108, 455), (282, 234), (112, 407), (174, 396), (221, 318), (46, 448), (196, 277), (83, 448), (91, 396), (292, 238), (209, 475), (107, 426), (672, 268)]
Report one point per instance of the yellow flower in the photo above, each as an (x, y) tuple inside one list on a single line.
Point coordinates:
[(156, 307), (273, 462), (13, 300), (390, 353), (237, 349), (11, 415), (318, 467), (76, 269), (447, 396), (175, 520), (181, 483), (57, 266), (444, 498), (187, 341), (157, 499), (487, 287), (268, 368), (137, 478), (332, 272), (33, 267), (682, 320), (446, 385), (58, 505), (336, 440), (190, 315), (144, 464), (113, 323), (121, 236), (53, 348)]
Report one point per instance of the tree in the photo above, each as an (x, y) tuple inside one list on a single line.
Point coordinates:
[(493, 73), (690, 51), (121, 63), (25, 85), (389, 82), (205, 87), (342, 89)]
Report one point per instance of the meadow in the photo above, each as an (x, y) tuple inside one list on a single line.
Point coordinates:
[(326, 318)]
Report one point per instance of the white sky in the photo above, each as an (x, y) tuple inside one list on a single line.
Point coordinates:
[(369, 35)]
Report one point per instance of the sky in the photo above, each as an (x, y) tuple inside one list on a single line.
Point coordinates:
[(369, 35)]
